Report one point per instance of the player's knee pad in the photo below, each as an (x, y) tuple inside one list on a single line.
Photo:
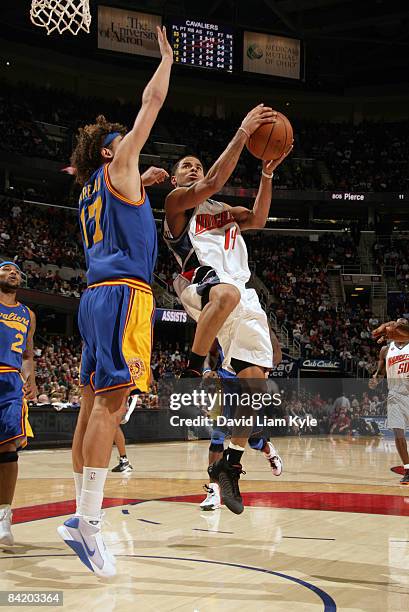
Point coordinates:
[(257, 443), (217, 442), (9, 457)]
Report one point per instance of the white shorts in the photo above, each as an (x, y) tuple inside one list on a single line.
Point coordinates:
[(245, 334), (398, 412)]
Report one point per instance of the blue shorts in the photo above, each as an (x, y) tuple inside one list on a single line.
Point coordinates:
[(115, 321), (14, 425), (231, 385)]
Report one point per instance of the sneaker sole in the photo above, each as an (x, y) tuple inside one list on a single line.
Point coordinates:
[(127, 469), (210, 508), (79, 550)]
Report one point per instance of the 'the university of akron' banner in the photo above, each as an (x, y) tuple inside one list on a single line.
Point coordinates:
[(270, 54), (128, 31)]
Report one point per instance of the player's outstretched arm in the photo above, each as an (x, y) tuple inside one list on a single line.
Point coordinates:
[(257, 217), (392, 330), (125, 163), (184, 198), (381, 369)]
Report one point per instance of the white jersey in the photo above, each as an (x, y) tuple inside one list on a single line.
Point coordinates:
[(397, 368), (212, 238)]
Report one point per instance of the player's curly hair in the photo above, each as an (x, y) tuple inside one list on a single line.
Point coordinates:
[(86, 157)]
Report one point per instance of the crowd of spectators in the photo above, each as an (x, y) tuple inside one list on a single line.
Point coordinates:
[(344, 415), (295, 273), (371, 156), (50, 281), (391, 257), (57, 360), (43, 235), (57, 365)]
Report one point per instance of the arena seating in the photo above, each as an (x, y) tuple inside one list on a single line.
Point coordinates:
[(293, 269), (391, 256), (58, 359), (364, 157)]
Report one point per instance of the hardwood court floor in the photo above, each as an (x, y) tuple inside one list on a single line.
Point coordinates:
[(332, 533)]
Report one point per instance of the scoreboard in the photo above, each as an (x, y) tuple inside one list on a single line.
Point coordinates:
[(201, 44)]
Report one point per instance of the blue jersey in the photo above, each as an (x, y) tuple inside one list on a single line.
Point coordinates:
[(14, 326), (119, 235)]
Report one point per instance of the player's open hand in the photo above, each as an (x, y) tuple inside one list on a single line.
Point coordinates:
[(392, 330), (154, 175), (166, 50), (30, 390), (258, 116), (272, 164)]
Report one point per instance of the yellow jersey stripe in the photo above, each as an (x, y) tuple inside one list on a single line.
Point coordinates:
[(118, 195), (121, 386), (132, 283)]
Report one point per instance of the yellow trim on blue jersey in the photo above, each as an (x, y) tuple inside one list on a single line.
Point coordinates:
[(26, 430), (10, 305), (133, 283), (130, 385), (137, 338), (6, 369), (118, 195)]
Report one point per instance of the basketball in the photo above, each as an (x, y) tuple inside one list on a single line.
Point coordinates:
[(271, 140)]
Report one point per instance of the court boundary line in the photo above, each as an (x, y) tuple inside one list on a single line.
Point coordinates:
[(327, 600)]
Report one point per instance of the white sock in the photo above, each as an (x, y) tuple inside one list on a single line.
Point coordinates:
[(406, 466), (92, 492), (78, 486), (5, 507), (236, 446)]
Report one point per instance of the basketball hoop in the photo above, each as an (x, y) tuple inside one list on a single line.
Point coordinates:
[(61, 15)]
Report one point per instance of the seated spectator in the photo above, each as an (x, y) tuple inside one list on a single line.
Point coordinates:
[(341, 423)]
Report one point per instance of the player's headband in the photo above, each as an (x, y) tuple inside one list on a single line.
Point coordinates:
[(10, 263), (109, 138)]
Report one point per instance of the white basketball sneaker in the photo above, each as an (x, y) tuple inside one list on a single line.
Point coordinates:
[(6, 537), (212, 501), (274, 459), (132, 401), (85, 539)]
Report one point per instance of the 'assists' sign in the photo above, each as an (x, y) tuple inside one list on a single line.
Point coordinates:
[(273, 55)]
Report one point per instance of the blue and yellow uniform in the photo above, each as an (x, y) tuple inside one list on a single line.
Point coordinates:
[(116, 310), (15, 323)]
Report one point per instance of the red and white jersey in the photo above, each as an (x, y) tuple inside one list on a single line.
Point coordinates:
[(212, 238), (397, 367)]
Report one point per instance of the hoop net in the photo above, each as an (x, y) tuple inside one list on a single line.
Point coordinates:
[(61, 15)]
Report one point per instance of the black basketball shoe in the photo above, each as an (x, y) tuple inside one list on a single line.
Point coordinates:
[(228, 476), (405, 479), (123, 466)]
